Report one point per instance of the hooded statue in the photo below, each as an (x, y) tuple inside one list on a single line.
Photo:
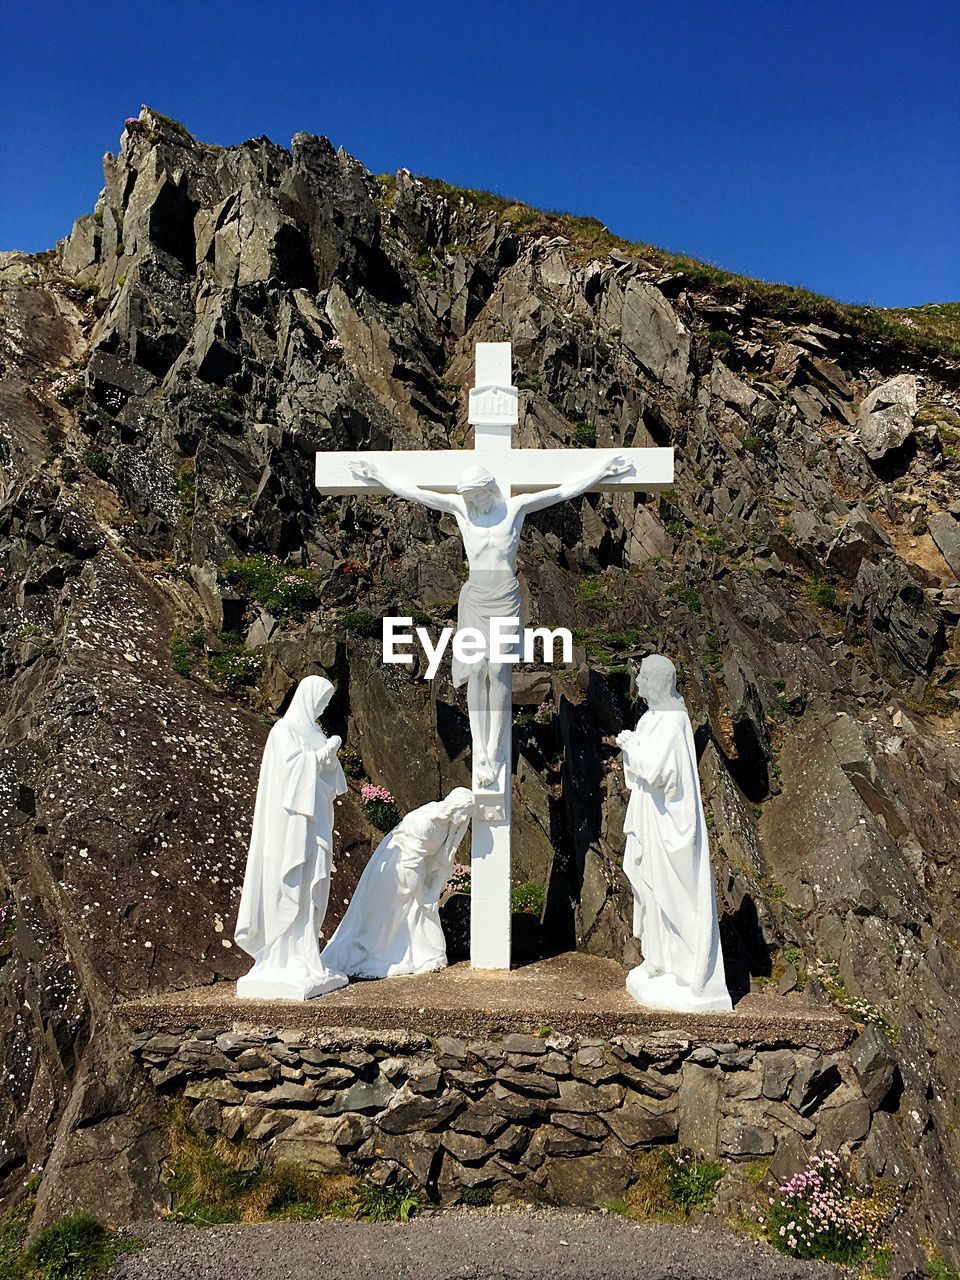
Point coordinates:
[(392, 925), (667, 857), (287, 882)]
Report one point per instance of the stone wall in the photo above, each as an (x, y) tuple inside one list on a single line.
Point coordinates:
[(556, 1119)]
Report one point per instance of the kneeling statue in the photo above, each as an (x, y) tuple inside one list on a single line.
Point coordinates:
[(667, 858), (392, 925)]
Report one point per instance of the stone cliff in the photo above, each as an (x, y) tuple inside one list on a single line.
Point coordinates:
[(167, 374)]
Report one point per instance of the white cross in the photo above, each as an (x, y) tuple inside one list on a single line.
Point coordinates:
[(493, 413)]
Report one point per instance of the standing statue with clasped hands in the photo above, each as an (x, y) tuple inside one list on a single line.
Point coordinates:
[(286, 887), (667, 856)]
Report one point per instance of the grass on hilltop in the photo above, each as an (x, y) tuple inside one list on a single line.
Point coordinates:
[(933, 329)]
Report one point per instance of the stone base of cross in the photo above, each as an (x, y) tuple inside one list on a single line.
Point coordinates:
[(493, 413)]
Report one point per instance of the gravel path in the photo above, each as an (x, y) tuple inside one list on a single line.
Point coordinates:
[(493, 1244)]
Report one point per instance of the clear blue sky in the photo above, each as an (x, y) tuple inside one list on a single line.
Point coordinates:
[(812, 141)]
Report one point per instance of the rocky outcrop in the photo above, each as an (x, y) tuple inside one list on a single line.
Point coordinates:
[(169, 571), (945, 531), (886, 416)]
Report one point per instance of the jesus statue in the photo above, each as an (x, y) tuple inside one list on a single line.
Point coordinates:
[(490, 524)]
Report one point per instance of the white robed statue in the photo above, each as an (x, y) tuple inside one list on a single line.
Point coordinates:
[(667, 857), (286, 887), (392, 925)]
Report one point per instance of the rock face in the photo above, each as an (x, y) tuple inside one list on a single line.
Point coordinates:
[(169, 572), (886, 416), (945, 531)]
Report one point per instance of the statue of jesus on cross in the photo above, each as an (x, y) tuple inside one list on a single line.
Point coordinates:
[(490, 490), (490, 524)]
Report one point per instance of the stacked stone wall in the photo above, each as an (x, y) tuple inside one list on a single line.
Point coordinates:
[(555, 1118)]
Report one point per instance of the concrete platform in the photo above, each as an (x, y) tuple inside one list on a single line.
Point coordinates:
[(572, 993)]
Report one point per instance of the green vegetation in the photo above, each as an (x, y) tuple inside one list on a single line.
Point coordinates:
[(754, 443), (426, 266), (283, 590), (180, 654), (948, 432), (720, 340), (96, 461), (380, 806), (213, 1181), (352, 763), (691, 1181), (585, 435), (187, 490), (166, 124), (361, 622), (387, 183), (713, 542), (628, 638), (528, 897), (78, 1247), (794, 956), (687, 596), (14, 1226), (593, 592), (671, 1187), (476, 1196), (234, 667), (605, 647), (860, 1011), (757, 1170), (75, 1248), (371, 1203), (68, 392), (713, 653), (880, 1264), (820, 1213), (939, 1269), (936, 321), (823, 595)]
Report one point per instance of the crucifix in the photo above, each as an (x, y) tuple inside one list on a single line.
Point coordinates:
[(489, 490)]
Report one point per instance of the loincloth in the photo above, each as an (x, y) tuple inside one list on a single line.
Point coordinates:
[(487, 594)]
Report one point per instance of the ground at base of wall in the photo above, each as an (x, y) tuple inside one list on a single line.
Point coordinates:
[(506, 1244)]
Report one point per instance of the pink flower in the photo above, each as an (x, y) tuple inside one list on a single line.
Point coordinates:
[(370, 793)]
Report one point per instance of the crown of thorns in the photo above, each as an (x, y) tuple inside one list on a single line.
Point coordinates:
[(475, 478)]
